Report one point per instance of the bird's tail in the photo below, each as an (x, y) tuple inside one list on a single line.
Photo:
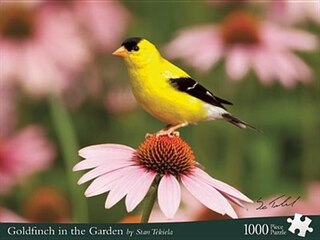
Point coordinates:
[(237, 122)]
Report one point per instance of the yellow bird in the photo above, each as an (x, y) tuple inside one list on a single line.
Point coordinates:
[(167, 92)]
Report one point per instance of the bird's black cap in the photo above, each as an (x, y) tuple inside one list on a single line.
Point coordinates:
[(131, 43)]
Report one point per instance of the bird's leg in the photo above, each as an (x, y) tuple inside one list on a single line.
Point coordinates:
[(159, 133), (148, 135), (163, 131), (170, 130)]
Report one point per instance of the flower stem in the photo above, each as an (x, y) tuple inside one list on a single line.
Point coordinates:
[(148, 204), (69, 148)]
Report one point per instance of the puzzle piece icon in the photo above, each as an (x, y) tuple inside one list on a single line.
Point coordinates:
[(303, 226)]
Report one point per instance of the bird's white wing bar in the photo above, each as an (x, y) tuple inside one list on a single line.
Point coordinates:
[(193, 88), (209, 93), (189, 88)]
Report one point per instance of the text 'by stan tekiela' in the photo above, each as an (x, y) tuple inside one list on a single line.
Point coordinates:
[(82, 230)]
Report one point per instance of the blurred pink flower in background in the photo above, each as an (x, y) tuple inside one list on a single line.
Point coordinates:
[(103, 22), (119, 101), (7, 109), (7, 215), (245, 42), (130, 173), (294, 12), (23, 154), (41, 47)]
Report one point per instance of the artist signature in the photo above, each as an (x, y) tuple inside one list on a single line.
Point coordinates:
[(281, 201)]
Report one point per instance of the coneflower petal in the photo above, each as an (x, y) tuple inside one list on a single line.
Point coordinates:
[(139, 190), (234, 200), (104, 183), (96, 162), (102, 170), (220, 186), (204, 193), (169, 195), (106, 150), (262, 65), (228, 209), (122, 186), (237, 63)]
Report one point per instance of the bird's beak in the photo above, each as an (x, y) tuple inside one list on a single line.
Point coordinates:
[(121, 52)]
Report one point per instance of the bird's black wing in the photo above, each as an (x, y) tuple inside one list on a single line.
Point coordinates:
[(190, 86)]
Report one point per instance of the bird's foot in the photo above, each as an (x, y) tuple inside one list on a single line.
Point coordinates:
[(168, 132), (164, 133), (148, 135)]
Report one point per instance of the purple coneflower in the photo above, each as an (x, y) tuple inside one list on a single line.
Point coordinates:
[(103, 22), (7, 215), (246, 42), (294, 12), (159, 163), (41, 47), (22, 154), (8, 109)]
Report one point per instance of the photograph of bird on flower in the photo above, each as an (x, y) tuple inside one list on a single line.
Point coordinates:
[(137, 111)]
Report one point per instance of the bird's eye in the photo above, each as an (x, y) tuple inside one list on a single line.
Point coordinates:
[(135, 48)]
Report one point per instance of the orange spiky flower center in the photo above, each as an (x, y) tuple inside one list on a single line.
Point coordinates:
[(240, 28), (165, 154), (16, 22)]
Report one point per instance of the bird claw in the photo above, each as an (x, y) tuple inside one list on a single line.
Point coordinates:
[(148, 135), (168, 133), (174, 134), (163, 133)]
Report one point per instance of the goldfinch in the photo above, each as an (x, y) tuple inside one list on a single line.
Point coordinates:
[(167, 92)]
